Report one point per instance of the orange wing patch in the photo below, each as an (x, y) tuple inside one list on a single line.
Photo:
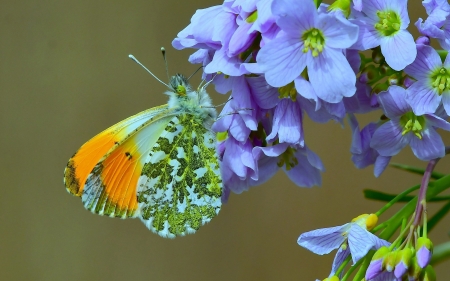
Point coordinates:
[(111, 187), (85, 159), (108, 164)]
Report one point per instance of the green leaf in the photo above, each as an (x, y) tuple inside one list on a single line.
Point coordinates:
[(438, 216), (382, 196), (415, 170), (441, 253)]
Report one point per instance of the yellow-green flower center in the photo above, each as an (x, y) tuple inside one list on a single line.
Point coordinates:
[(252, 17), (441, 80), (288, 159), (389, 22), (288, 91), (313, 40), (412, 123)]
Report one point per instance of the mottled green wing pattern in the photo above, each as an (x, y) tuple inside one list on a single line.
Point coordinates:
[(180, 187)]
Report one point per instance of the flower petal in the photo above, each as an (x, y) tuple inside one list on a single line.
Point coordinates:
[(422, 97), (360, 242), (388, 139), (380, 165), (331, 76), (338, 31), (282, 60), (399, 50), (426, 61), (323, 241), (393, 102), (429, 147)]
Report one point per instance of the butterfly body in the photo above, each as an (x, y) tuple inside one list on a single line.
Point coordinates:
[(159, 165)]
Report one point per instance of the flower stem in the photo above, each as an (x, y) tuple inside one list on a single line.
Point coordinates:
[(396, 220), (421, 201), (397, 198)]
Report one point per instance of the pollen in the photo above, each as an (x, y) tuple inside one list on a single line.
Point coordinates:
[(288, 159), (389, 22), (412, 123), (313, 41), (441, 80)]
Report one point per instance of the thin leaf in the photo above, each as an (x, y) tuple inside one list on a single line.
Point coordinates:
[(382, 196), (415, 170), (438, 216)]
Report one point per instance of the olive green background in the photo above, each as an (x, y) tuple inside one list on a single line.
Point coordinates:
[(64, 77)]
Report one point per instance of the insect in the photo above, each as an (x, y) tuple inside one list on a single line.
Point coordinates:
[(159, 165)]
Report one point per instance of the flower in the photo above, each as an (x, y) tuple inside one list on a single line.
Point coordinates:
[(360, 240), (300, 164), (433, 81), (313, 41), (383, 23), (404, 127), (362, 154), (436, 25)]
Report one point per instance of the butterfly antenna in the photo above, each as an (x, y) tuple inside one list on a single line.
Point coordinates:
[(163, 51), (195, 72), (138, 62), (210, 81)]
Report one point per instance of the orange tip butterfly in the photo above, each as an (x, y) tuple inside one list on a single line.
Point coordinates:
[(159, 165)]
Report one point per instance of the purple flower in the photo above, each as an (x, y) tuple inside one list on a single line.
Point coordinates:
[(433, 81), (312, 40), (404, 127), (301, 164), (360, 240), (287, 123), (385, 276), (362, 154), (237, 165), (383, 23), (436, 25)]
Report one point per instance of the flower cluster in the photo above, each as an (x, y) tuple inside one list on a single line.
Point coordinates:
[(284, 59)]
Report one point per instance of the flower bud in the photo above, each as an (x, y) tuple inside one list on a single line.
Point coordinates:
[(414, 269), (424, 252), (390, 261), (332, 278), (403, 261), (376, 264)]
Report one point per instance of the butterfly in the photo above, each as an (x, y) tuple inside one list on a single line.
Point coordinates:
[(159, 165)]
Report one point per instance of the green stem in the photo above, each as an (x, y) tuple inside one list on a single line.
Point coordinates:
[(397, 198), (351, 269), (343, 265), (362, 270), (440, 253), (317, 3), (395, 221)]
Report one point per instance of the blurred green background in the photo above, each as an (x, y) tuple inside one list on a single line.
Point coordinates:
[(65, 76)]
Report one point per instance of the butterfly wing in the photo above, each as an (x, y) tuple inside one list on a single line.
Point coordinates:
[(98, 163), (180, 187)]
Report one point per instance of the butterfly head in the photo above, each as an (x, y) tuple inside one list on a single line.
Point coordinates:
[(180, 85)]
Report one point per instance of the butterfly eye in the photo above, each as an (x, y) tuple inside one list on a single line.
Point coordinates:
[(181, 90)]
